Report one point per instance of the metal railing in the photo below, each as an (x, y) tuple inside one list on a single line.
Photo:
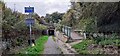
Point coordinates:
[(66, 30)]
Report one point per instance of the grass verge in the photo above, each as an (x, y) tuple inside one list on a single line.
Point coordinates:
[(37, 49)]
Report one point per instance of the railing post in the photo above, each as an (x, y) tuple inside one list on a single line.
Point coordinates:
[(64, 29), (67, 30), (70, 32), (84, 35)]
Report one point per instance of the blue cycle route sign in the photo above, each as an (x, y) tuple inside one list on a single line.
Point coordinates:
[(29, 9)]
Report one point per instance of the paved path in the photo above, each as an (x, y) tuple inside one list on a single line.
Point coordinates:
[(75, 36), (51, 47), (65, 47)]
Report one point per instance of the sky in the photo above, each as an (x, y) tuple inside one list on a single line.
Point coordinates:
[(41, 7)]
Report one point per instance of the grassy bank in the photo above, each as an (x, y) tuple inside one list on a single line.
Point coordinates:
[(37, 49), (82, 46)]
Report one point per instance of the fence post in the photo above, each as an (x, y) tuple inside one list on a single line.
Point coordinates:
[(64, 29)]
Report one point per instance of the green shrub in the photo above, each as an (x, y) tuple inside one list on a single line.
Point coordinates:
[(98, 39), (110, 42), (107, 40)]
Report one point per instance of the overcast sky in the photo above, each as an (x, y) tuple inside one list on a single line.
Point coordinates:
[(41, 6)]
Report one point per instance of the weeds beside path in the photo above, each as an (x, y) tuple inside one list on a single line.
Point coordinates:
[(38, 48)]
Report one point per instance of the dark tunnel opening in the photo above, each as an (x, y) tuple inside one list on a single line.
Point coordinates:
[(50, 32)]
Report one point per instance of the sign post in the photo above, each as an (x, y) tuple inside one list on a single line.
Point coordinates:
[(29, 21)]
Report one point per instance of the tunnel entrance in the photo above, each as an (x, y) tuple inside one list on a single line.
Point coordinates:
[(51, 32)]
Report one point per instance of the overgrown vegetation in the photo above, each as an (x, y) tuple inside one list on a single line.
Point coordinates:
[(14, 29), (94, 18), (37, 49), (53, 38), (97, 44), (108, 40), (82, 46)]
